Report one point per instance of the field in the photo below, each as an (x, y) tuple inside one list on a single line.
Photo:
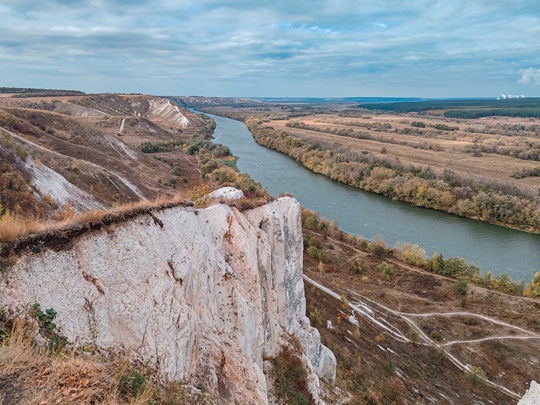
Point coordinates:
[(393, 136), (494, 148)]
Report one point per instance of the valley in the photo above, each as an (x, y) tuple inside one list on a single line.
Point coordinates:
[(93, 169)]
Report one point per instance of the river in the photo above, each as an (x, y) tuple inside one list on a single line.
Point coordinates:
[(491, 247)]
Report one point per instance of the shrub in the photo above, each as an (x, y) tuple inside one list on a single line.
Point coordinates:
[(390, 367), (533, 289), (378, 247), (454, 267), (462, 286), (49, 201), (315, 317), (393, 392), (290, 378), (314, 241), (321, 267), (20, 152), (176, 171), (412, 254), (311, 222), (132, 384), (312, 251), (387, 270), (436, 335), (72, 178), (47, 328), (413, 336), (476, 375), (356, 268)]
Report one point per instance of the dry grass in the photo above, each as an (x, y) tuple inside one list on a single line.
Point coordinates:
[(365, 354), (12, 227), (453, 157), (29, 375)]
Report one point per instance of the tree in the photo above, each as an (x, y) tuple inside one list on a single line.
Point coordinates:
[(462, 287), (455, 266), (535, 284), (379, 248), (436, 263)]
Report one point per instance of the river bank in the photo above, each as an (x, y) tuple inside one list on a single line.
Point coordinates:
[(492, 248)]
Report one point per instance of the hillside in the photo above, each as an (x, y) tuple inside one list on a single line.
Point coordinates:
[(86, 149)]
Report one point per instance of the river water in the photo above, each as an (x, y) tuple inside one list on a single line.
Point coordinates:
[(492, 248)]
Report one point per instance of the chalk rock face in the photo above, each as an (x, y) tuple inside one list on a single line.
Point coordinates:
[(205, 294), (532, 396), (165, 109)]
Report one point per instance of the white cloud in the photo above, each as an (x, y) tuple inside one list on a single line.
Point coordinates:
[(303, 47), (529, 76)]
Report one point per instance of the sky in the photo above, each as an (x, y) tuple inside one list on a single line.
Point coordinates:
[(274, 48)]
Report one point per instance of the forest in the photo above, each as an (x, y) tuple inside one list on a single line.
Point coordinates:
[(473, 108)]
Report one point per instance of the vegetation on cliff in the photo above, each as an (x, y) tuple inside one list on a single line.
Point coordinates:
[(30, 372)]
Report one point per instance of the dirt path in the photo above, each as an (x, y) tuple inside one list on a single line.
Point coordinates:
[(369, 312), (122, 125), (464, 313)]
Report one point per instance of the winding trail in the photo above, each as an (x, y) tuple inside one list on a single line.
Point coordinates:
[(122, 125), (369, 312)]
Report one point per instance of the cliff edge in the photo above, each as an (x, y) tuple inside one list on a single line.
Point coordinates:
[(204, 295)]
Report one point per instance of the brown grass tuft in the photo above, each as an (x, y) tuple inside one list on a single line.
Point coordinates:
[(13, 227), (31, 376)]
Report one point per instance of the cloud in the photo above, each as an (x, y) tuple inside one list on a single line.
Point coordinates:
[(283, 47), (530, 76)]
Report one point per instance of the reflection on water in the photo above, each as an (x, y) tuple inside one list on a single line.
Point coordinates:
[(492, 248)]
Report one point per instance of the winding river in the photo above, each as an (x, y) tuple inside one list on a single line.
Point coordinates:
[(492, 248)]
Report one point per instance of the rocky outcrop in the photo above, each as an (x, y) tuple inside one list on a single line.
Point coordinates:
[(203, 294), (165, 109), (532, 396)]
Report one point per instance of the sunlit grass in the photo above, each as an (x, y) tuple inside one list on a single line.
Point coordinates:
[(13, 227)]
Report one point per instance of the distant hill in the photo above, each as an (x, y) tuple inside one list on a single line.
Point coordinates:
[(87, 150), (31, 92)]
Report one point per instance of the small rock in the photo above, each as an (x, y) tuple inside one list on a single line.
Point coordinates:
[(226, 193)]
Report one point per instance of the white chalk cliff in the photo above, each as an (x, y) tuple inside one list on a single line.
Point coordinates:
[(532, 396), (205, 294)]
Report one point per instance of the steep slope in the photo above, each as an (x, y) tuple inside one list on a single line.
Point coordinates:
[(205, 295), (93, 143)]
